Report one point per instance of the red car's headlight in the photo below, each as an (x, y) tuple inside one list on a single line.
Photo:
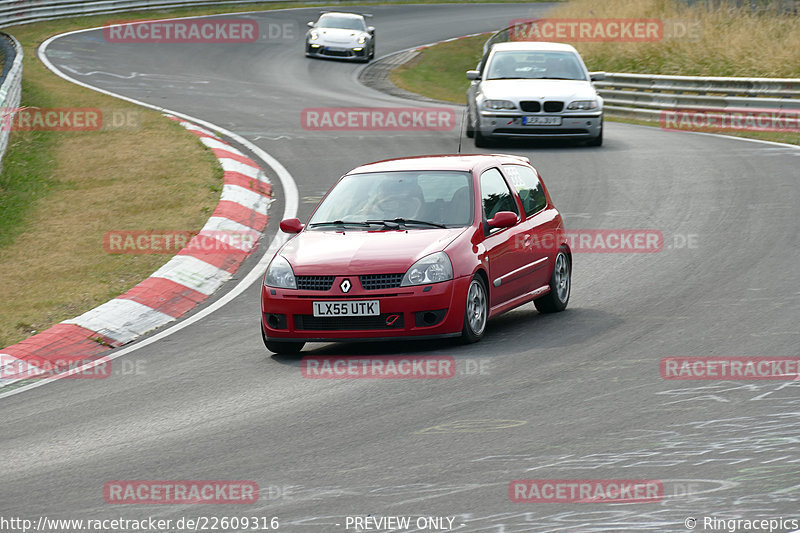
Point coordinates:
[(280, 274), (432, 268)]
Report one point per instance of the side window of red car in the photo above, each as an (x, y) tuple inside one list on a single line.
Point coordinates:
[(495, 194), (527, 183)]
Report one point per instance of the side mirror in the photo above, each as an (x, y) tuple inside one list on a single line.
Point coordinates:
[(371, 30), (310, 24), (291, 225), (503, 219), (473, 74), (597, 76)]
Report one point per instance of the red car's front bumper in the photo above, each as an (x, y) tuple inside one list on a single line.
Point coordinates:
[(435, 310)]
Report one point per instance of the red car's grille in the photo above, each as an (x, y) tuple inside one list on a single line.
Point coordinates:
[(373, 282), (314, 283), (339, 323)]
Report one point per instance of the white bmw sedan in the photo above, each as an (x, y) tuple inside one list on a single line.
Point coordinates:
[(533, 89)]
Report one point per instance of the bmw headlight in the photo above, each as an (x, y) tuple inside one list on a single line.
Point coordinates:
[(582, 104), (499, 104), (432, 268), (280, 274), (314, 35), (362, 39)]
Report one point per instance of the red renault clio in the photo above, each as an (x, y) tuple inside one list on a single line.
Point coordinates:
[(415, 248)]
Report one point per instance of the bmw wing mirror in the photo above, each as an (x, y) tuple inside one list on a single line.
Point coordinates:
[(310, 24), (473, 74), (597, 76)]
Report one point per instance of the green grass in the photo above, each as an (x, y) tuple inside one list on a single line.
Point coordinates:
[(439, 71), (27, 171)]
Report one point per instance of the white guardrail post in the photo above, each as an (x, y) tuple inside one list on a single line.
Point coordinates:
[(11, 88)]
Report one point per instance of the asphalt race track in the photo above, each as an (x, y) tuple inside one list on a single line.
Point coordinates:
[(576, 395)]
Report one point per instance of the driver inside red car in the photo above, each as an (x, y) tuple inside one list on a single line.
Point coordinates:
[(394, 198)]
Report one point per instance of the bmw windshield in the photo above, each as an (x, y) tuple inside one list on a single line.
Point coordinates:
[(535, 65)]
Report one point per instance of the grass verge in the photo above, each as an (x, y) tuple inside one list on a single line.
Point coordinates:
[(60, 192), (732, 42)]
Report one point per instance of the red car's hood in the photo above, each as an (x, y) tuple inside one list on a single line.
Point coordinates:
[(317, 253)]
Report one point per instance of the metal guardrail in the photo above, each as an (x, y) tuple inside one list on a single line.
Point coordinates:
[(26, 11), (11, 88), (646, 96)]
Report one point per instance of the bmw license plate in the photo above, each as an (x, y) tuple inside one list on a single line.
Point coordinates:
[(352, 308), (541, 121)]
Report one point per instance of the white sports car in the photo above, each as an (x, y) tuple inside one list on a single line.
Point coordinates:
[(341, 35)]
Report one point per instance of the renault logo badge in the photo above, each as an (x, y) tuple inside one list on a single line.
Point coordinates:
[(345, 285)]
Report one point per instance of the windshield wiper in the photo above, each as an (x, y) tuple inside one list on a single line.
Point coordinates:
[(388, 224), (338, 223), (509, 78), (405, 221), (555, 78)]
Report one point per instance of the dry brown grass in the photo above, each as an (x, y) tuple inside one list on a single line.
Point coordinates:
[(152, 174), (732, 42)]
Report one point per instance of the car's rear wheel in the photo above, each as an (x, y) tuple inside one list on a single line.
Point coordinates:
[(281, 347), (476, 312), (560, 284)]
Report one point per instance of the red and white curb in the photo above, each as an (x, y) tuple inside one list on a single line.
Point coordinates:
[(173, 290)]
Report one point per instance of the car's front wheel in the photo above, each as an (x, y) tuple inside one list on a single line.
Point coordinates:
[(481, 140), (597, 141), (476, 312), (560, 284), (281, 347)]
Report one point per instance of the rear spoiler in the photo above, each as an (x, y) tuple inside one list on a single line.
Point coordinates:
[(368, 15)]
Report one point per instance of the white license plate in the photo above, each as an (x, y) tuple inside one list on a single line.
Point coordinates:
[(352, 308), (336, 49), (541, 121)]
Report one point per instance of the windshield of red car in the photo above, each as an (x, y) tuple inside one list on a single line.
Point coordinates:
[(436, 197)]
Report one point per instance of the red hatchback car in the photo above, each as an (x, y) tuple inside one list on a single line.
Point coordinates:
[(421, 247)]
